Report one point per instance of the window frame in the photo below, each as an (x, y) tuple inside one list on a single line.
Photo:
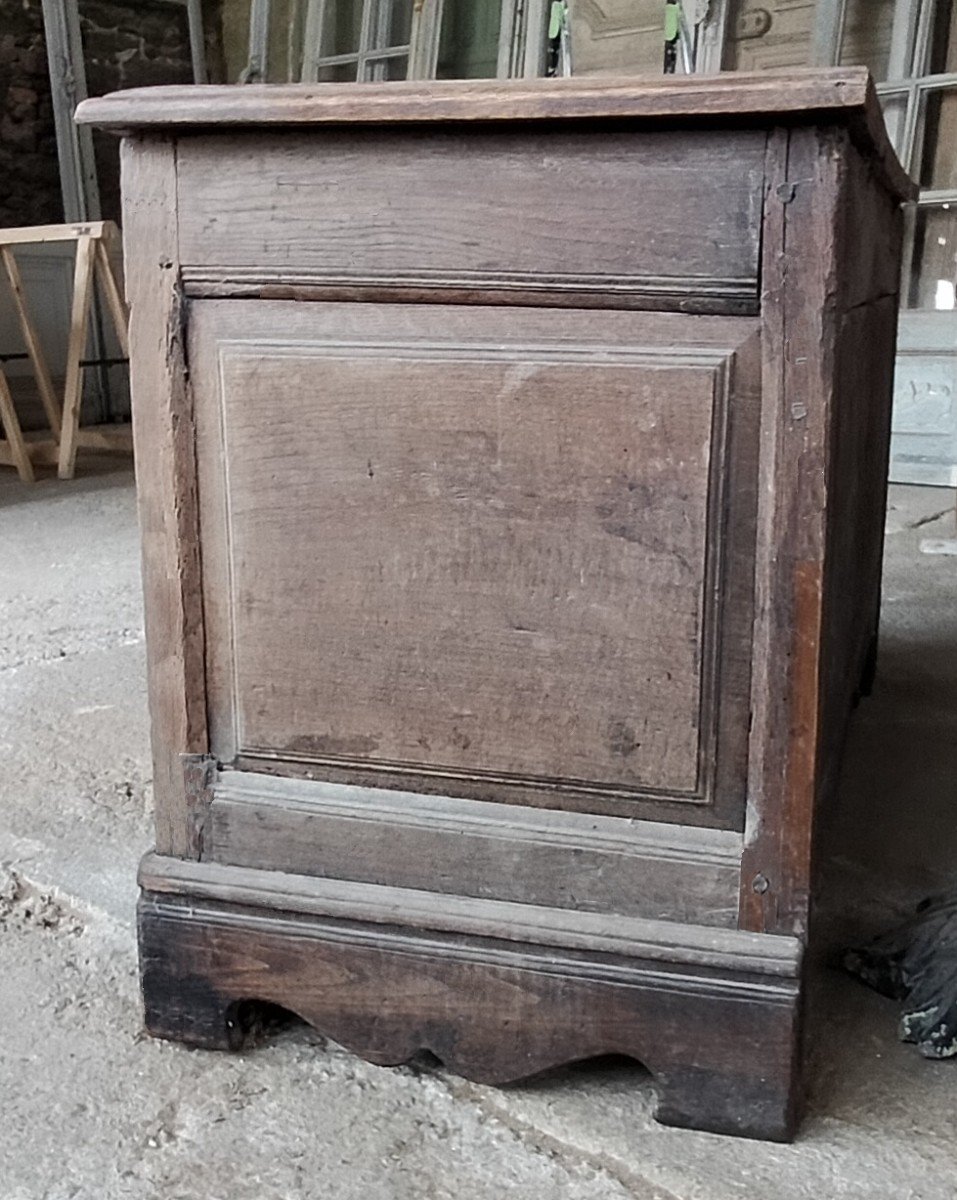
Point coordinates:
[(909, 81), (521, 48), (369, 54)]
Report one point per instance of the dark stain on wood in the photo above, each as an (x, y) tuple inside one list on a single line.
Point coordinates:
[(326, 743), (721, 1048)]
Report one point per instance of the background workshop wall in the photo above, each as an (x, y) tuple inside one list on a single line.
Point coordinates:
[(125, 43), (29, 177), (95, 46)]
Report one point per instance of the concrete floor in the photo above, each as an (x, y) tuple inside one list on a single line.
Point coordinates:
[(92, 1111)]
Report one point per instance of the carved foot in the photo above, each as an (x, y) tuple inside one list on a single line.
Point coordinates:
[(186, 1007), (917, 964), (765, 1104)]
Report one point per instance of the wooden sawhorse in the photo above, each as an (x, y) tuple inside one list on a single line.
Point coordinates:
[(94, 241)]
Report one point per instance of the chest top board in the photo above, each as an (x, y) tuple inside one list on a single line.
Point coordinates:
[(511, 462)]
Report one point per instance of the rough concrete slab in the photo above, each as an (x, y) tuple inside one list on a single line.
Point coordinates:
[(92, 1111)]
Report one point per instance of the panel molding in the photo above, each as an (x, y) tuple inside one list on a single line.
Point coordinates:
[(595, 354), (733, 295), (477, 848), (718, 361)]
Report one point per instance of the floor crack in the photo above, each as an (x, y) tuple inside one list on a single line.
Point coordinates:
[(933, 517)]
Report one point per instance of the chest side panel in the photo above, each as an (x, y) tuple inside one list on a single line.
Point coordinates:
[(472, 546)]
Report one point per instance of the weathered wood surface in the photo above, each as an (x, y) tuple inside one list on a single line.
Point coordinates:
[(659, 941), (843, 93), (861, 453), (166, 484), (479, 100), (510, 560), (828, 335), (423, 482), (870, 234), (492, 1006), (475, 848), (799, 328), (13, 448), (518, 212)]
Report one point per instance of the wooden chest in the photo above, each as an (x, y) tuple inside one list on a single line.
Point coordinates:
[(511, 465)]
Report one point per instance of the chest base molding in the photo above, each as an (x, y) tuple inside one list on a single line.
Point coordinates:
[(496, 991)]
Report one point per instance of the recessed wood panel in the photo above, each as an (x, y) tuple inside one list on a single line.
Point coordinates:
[(473, 545)]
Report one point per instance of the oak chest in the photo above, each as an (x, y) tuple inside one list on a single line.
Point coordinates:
[(511, 465)]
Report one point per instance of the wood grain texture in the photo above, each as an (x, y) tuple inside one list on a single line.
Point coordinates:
[(799, 303), (870, 236), (721, 1041), (727, 94), (539, 575), (15, 448), (859, 463), (31, 338), (841, 94), (428, 488), (829, 331), (475, 848), (544, 214), (642, 293), (659, 941), (76, 346), (166, 484)]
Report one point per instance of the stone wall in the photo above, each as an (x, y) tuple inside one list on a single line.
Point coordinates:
[(29, 175), (130, 43), (127, 43)]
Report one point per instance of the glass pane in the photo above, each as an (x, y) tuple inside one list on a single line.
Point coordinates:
[(943, 45), (390, 24), (893, 106), (381, 69), (895, 110), (338, 72), (867, 35), (468, 45), (937, 137), (341, 28), (933, 277)]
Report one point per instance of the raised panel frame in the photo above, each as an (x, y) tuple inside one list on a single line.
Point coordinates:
[(728, 348)]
